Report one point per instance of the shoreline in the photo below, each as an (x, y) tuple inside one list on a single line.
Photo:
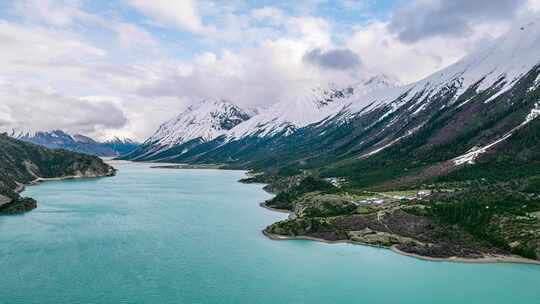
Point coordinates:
[(26, 204), (491, 259), (277, 237), (174, 166), (21, 187), (263, 205)]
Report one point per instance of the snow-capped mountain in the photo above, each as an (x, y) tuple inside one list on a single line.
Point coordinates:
[(207, 120), (120, 145), (491, 72), (289, 115), (52, 139), (215, 119), (202, 122), (115, 140), (461, 115), (58, 139)]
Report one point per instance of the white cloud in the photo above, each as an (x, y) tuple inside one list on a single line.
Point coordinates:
[(381, 50), (130, 35), (25, 50), (271, 71), (56, 63), (28, 107), (420, 19), (63, 53), (268, 13), (182, 14), (533, 5), (57, 13)]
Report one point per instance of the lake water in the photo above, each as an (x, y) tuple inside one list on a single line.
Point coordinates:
[(194, 236)]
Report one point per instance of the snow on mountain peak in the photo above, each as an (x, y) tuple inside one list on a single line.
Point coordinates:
[(308, 108), (83, 139), (120, 140), (377, 82), (499, 64), (24, 134), (206, 120)]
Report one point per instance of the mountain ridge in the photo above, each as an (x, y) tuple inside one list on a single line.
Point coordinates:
[(199, 123), (23, 163), (469, 104), (59, 139)]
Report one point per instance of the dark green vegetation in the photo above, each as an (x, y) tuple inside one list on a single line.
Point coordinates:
[(493, 205), (284, 200), (471, 220), (22, 163), (498, 215), (412, 142), (421, 137)]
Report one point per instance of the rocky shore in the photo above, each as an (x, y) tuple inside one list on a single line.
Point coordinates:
[(482, 259), (18, 204), (190, 166), (404, 224), (25, 163)]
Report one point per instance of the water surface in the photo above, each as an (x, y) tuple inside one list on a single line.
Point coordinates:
[(193, 236)]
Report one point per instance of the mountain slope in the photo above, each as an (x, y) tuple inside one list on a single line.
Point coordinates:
[(465, 141), (287, 116), (201, 123), (417, 132), (180, 138), (22, 163), (121, 146), (58, 139)]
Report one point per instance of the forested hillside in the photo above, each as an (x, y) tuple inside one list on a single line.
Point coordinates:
[(22, 163)]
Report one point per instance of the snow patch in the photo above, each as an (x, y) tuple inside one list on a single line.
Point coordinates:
[(409, 133), (472, 155), (535, 112), (314, 106), (206, 121)]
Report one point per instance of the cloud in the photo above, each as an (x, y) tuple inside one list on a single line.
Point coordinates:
[(384, 52), (56, 13), (533, 5), (60, 60), (181, 14), (143, 68), (268, 13), (420, 19), (271, 71), (338, 59), (34, 108)]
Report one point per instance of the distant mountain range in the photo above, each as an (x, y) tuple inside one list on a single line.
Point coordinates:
[(477, 111), (58, 139), (216, 122)]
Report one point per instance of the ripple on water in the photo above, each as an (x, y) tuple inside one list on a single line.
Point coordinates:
[(194, 236)]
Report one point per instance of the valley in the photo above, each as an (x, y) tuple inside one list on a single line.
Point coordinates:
[(313, 151), (468, 134)]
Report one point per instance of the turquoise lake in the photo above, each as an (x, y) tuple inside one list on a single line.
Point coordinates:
[(194, 236)]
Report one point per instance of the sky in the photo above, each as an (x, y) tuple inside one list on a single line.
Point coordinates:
[(120, 68)]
